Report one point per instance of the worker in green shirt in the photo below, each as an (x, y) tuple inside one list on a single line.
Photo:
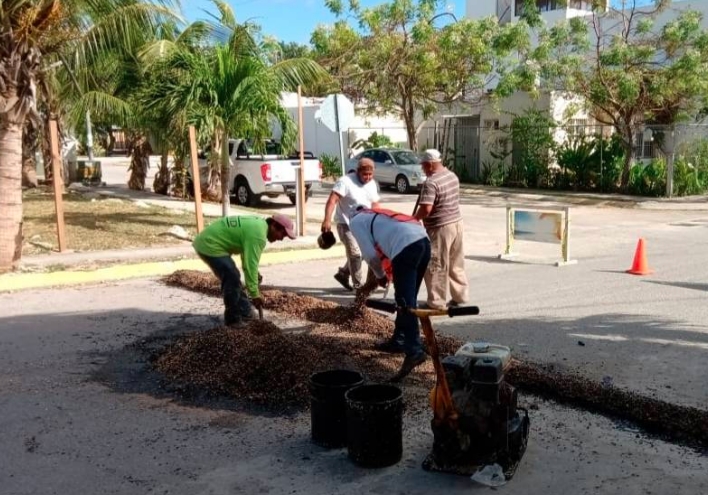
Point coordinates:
[(246, 236)]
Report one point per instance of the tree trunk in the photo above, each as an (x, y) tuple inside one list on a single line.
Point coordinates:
[(29, 167), (225, 173), (46, 146), (10, 195), (213, 187), (161, 184), (139, 163), (111, 142), (409, 119), (179, 175), (628, 144)]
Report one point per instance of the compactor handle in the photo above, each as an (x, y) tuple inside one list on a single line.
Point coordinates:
[(382, 305), (391, 307), (463, 311)]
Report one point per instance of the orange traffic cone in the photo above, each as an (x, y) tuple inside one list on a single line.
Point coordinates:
[(640, 266)]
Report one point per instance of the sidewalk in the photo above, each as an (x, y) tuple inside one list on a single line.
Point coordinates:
[(11, 282), (164, 253), (698, 203)]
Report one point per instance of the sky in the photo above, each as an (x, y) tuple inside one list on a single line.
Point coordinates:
[(293, 20), (287, 20)]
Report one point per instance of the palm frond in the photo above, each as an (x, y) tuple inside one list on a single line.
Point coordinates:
[(296, 72), (103, 106)]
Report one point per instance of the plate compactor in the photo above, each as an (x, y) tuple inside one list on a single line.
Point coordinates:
[(476, 418)]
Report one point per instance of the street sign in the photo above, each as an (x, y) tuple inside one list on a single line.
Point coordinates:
[(337, 113)]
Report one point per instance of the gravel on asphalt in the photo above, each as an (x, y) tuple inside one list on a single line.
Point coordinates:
[(263, 364)]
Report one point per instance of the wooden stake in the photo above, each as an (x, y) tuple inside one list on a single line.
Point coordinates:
[(196, 178), (301, 176), (58, 184)]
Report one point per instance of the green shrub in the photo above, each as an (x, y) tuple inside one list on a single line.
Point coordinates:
[(493, 173), (532, 147), (648, 180), (576, 159), (687, 180), (330, 166), (375, 140), (691, 167)]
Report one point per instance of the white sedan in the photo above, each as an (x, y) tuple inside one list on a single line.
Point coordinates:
[(396, 167)]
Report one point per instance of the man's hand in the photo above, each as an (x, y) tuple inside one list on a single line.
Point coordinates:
[(258, 302), (326, 226)]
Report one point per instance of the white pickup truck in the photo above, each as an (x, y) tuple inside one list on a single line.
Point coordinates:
[(270, 174)]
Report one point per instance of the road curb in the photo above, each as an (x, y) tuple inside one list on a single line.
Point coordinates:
[(12, 282)]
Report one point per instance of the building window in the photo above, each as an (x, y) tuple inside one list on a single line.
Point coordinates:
[(543, 6), (644, 147), (580, 4), (491, 124), (577, 127)]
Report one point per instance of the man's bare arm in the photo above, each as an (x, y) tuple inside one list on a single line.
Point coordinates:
[(423, 211), (329, 210)]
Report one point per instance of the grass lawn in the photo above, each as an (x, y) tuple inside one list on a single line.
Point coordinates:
[(98, 224)]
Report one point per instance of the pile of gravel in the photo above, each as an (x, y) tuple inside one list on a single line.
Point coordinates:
[(686, 424), (264, 365)]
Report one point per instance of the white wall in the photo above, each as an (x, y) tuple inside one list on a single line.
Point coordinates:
[(320, 140), (476, 9)]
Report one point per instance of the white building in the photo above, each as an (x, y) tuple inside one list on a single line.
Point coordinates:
[(320, 140), (476, 136)]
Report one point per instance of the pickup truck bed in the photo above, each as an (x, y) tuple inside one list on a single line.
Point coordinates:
[(254, 176)]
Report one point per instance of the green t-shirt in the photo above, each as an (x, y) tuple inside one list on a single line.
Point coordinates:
[(246, 236)]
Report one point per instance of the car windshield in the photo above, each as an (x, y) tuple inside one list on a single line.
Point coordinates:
[(405, 157)]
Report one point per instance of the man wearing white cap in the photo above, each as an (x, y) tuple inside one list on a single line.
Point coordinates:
[(439, 209), (245, 236)]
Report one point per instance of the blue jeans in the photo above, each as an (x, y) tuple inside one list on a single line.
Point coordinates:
[(236, 302), (408, 271)]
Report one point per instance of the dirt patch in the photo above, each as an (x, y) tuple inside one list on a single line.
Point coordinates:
[(96, 223), (683, 423), (343, 337)]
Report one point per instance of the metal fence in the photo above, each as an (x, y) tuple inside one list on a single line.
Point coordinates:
[(577, 155)]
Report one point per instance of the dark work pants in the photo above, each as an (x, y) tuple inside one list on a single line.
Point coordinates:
[(408, 270), (235, 300)]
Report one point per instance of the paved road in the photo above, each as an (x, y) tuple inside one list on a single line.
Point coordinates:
[(81, 413)]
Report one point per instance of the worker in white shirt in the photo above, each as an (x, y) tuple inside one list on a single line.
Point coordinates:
[(353, 189), (398, 245)]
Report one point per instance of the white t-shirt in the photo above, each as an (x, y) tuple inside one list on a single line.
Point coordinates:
[(353, 193), (391, 235)]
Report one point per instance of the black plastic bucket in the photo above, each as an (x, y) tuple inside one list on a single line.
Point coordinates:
[(375, 425), (328, 406)]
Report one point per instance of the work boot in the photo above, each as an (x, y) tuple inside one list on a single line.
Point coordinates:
[(343, 280), (390, 346), (409, 363), (236, 324)]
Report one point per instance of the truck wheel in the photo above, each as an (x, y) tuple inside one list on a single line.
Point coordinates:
[(244, 195), (308, 194), (402, 184)]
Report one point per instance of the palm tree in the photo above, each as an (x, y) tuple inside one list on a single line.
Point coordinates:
[(34, 35), (229, 89)]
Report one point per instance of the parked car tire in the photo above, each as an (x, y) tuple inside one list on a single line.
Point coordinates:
[(402, 184), (308, 194), (243, 194)]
